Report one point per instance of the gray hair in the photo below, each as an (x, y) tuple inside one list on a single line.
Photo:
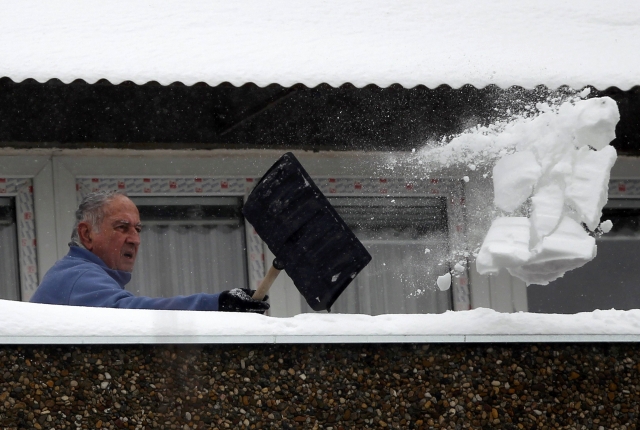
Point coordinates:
[(91, 210)]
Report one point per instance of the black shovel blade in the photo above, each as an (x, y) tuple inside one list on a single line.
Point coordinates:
[(305, 233)]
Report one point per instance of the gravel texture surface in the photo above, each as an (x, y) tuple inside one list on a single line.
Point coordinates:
[(452, 386)]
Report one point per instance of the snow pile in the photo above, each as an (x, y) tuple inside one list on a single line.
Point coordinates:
[(555, 180), (22, 322), (550, 166)]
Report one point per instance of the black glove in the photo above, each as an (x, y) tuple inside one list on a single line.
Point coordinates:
[(239, 300)]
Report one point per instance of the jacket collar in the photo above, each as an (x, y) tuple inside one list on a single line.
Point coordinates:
[(120, 276)]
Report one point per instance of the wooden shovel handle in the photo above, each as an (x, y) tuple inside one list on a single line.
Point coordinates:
[(266, 283)]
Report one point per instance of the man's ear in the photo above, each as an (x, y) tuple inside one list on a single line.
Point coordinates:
[(85, 233)]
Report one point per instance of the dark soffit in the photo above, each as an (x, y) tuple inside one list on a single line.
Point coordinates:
[(149, 116)]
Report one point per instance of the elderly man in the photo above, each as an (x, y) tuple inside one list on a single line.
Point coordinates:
[(103, 249)]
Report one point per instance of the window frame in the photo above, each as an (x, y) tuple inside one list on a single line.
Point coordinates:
[(28, 178)]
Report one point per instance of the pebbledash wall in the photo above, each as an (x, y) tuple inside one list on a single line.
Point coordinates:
[(422, 386)]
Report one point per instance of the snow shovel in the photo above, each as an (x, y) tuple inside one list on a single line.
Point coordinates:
[(305, 233)]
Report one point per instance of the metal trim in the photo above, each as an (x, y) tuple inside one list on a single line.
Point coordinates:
[(320, 339)]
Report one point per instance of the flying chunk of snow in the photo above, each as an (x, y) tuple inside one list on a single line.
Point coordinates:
[(551, 169), (506, 245), (546, 209), (587, 187), (595, 121), (606, 226), (567, 248), (558, 175), (514, 177), (444, 282)]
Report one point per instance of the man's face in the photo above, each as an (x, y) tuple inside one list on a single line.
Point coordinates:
[(118, 238)]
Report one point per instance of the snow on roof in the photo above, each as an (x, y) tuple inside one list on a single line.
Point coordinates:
[(575, 42)]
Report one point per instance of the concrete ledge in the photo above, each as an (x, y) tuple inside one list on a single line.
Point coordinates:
[(316, 339)]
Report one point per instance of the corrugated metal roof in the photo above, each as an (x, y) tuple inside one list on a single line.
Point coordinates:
[(382, 42), (149, 116)]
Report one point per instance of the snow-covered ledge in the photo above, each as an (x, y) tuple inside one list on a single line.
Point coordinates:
[(28, 323)]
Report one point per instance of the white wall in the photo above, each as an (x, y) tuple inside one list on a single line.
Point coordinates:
[(54, 173)]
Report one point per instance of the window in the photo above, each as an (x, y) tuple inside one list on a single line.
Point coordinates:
[(407, 238), (9, 263), (611, 281), (189, 245)]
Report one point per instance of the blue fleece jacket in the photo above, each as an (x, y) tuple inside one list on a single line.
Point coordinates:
[(81, 278)]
